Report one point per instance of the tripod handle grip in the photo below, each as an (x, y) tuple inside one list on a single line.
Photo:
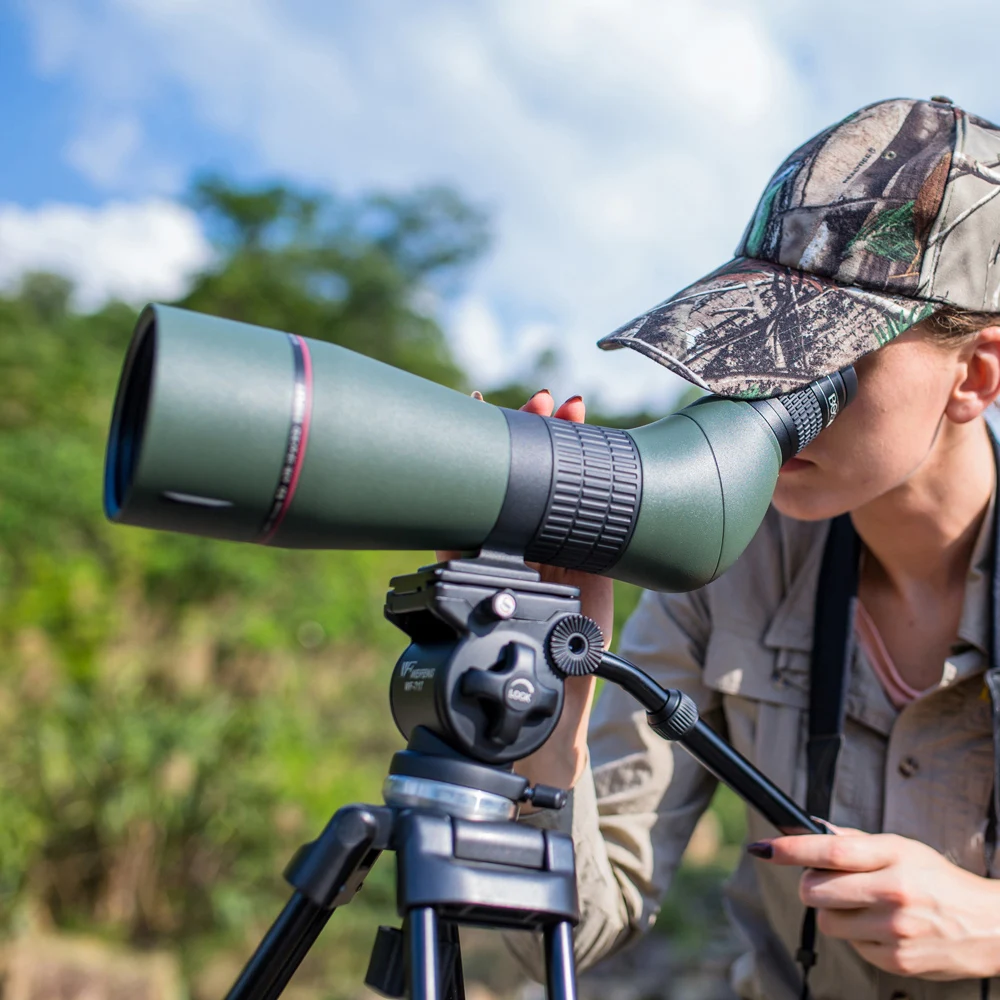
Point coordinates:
[(674, 716), (755, 788)]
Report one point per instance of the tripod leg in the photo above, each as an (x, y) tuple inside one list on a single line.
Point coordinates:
[(283, 948), (452, 978), (423, 968), (560, 972), (326, 874)]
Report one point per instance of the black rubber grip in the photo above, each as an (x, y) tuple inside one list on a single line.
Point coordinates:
[(804, 409), (594, 498), (797, 417), (529, 483), (677, 717)]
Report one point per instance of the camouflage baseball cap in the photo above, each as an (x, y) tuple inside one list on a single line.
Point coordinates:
[(867, 229)]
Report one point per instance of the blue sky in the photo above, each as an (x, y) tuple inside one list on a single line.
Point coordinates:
[(619, 144), (36, 116)]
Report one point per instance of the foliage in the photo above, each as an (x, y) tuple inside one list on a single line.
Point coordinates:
[(362, 273), (177, 714)]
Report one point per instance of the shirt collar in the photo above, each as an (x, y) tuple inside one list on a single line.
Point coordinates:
[(792, 624)]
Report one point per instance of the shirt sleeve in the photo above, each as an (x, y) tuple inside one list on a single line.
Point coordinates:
[(636, 805)]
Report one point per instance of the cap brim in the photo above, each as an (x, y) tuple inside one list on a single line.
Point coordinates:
[(753, 329)]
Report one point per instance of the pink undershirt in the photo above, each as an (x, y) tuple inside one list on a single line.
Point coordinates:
[(898, 691)]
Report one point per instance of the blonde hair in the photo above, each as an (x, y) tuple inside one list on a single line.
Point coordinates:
[(951, 327)]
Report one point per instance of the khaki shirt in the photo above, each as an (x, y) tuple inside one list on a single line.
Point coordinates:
[(740, 647)]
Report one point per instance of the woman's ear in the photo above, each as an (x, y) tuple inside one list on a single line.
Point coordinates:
[(978, 384)]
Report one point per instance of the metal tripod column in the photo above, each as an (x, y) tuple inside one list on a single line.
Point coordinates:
[(423, 968), (560, 971)]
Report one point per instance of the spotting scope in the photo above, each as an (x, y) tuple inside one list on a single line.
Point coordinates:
[(239, 432), (243, 433)]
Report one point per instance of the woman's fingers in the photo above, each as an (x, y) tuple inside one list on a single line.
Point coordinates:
[(541, 403), (573, 409), (841, 831), (867, 925), (841, 890), (864, 852)]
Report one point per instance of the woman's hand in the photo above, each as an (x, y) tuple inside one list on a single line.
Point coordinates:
[(902, 906), (563, 757), (561, 760)]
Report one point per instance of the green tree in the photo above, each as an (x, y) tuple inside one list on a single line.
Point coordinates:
[(362, 273), (176, 714)]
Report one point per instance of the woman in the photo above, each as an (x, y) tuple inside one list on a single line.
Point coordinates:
[(876, 243)]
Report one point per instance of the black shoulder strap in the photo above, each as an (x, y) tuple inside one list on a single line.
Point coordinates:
[(833, 622), (833, 627)]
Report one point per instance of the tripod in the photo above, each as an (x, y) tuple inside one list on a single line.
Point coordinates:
[(479, 686)]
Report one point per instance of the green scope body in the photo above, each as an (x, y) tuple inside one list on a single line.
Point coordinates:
[(238, 432)]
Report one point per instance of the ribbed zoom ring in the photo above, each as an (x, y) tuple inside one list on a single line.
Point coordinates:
[(806, 414), (797, 417), (594, 500)]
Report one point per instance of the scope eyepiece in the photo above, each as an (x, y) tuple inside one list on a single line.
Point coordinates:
[(797, 417)]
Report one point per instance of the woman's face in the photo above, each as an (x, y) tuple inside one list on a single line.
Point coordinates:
[(882, 438)]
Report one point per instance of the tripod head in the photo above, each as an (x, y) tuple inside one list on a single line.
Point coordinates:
[(490, 646), (481, 683)]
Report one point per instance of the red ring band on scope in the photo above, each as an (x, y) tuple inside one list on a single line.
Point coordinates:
[(298, 438)]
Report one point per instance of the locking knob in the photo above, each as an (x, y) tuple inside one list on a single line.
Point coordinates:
[(508, 692)]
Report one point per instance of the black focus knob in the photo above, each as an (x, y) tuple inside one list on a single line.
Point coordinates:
[(575, 646)]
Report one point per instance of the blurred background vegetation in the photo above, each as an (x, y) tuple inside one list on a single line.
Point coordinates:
[(176, 714)]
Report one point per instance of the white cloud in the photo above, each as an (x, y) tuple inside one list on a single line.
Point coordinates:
[(595, 132), (491, 354), (113, 155), (478, 339), (621, 144), (104, 153), (132, 251)]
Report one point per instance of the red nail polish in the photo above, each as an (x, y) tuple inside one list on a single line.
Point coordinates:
[(761, 849)]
